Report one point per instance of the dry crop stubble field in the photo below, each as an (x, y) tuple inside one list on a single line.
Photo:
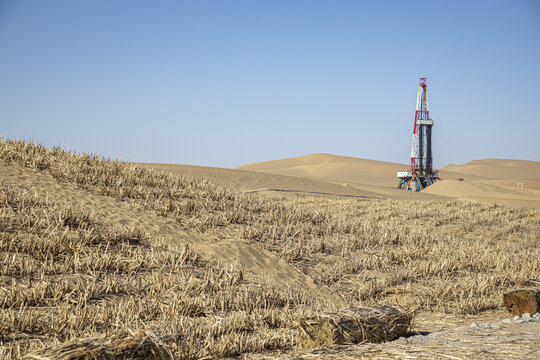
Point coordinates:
[(66, 276)]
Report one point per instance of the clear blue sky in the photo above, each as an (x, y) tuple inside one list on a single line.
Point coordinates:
[(225, 83)]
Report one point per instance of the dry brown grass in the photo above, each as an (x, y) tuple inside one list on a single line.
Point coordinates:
[(66, 277), (452, 256), (138, 345)]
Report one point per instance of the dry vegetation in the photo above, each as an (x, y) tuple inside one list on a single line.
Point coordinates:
[(67, 277), (353, 326)]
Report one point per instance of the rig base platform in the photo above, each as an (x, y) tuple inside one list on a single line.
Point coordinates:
[(416, 181)]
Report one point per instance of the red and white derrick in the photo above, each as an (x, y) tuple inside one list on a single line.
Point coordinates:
[(421, 174), (421, 117)]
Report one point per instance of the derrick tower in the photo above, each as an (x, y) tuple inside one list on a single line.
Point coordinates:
[(421, 173)]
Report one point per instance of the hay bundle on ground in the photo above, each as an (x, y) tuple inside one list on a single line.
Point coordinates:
[(354, 325), (522, 301), (138, 345)]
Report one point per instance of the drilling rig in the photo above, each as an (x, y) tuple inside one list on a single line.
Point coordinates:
[(421, 173)]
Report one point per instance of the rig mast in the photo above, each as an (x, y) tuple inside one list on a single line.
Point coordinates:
[(421, 173)]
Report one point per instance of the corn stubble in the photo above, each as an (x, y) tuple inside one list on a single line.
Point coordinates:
[(66, 279)]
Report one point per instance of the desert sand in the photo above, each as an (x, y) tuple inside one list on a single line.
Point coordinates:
[(492, 180), (499, 169), (245, 180)]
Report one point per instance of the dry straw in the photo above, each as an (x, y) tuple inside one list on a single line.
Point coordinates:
[(354, 325), (138, 345)]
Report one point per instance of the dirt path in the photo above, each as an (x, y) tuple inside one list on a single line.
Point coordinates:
[(258, 263)]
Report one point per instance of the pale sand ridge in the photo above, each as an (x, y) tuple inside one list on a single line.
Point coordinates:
[(342, 175), (499, 168), (493, 180), (503, 176), (247, 180), (333, 168)]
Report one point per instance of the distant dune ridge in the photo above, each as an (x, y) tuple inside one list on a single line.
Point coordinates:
[(483, 180), (332, 167), (499, 168), (491, 180)]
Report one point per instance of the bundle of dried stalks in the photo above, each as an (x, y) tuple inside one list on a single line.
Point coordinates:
[(354, 325), (138, 345)]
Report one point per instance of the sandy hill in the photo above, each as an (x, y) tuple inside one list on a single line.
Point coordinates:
[(332, 167), (484, 180), (498, 168), (343, 169), (485, 191), (253, 180), (501, 180)]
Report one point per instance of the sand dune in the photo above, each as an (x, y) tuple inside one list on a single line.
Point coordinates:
[(498, 168), (248, 180), (344, 169), (484, 180), (332, 167), (244, 180), (475, 188), (502, 178)]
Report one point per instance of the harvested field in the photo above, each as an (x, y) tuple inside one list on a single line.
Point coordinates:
[(138, 345), (67, 277)]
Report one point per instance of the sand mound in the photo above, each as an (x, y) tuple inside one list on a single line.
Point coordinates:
[(484, 180), (467, 189), (245, 180), (498, 168), (333, 168)]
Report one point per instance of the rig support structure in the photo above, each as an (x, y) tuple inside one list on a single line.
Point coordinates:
[(421, 173)]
